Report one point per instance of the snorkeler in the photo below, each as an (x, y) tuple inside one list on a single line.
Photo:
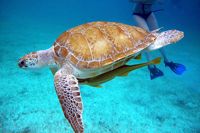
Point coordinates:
[(144, 16)]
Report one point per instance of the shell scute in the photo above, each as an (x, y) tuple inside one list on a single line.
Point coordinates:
[(64, 52), (94, 63), (63, 38), (79, 46), (73, 59)]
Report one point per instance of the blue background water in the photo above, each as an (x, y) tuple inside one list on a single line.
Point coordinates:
[(29, 104)]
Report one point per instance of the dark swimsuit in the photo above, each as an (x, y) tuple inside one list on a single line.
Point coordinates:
[(144, 10)]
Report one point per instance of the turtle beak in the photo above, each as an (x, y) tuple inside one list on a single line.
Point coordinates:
[(22, 63)]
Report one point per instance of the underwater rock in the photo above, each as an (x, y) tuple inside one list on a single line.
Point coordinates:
[(161, 119), (184, 104), (23, 91), (138, 102), (26, 130), (192, 105), (6, 100), (105, 126), (181, 103)]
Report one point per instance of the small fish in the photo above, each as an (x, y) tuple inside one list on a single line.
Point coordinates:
[(121, 71)]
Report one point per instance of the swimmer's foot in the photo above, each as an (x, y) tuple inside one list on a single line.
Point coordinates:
[(175, 67), (155, 72)]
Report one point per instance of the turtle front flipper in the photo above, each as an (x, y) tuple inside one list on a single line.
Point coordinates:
[(165, 38), (68, 92)]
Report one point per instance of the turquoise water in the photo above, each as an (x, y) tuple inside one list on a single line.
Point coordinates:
[(132, 104)]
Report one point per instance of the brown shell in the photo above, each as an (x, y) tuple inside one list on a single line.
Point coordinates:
[(97, 44)]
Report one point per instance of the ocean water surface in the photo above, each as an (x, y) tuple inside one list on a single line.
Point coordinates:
[(131, 104)]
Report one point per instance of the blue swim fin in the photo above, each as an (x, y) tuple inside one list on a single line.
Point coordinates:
[(175, 67), (155, 72)]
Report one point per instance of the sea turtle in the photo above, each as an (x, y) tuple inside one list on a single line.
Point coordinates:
[(88, 51)]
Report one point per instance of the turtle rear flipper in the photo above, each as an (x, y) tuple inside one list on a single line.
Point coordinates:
[(165, 38)]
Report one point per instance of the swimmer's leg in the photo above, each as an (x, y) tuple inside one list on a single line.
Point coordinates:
[(153, 25), (175, 67), (152, 22), (154, 71), (141, 22)]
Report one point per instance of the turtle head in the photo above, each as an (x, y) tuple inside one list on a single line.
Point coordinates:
[(37, 59), (29, 61)]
